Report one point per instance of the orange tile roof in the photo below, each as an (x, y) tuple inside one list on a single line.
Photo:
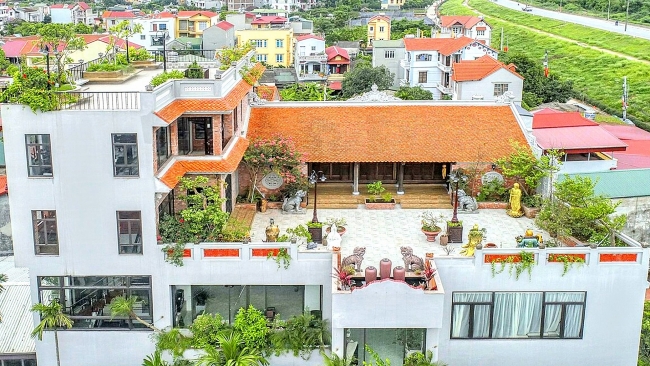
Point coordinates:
[(392, 133), (467, 21), (176, 108), (228, 165), (268, 92), (468, 70), (445, 46)]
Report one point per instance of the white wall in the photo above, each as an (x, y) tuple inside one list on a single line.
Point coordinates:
[(61, 16), (485, 86), (570, 167)]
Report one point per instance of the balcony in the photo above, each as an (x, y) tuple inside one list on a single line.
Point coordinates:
[(405, 64), (444, 89), (313, 58), (445, 68)]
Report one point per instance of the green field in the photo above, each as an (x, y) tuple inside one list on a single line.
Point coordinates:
[(597, 76)]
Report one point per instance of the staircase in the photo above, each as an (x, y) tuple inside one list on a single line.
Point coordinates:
[(422, 196)]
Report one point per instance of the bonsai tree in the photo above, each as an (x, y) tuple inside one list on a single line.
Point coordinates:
[(431, 222), (378, 192), (277, 154), (52, 317), (122, 30)]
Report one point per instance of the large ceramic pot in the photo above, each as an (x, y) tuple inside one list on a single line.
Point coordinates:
[(431, 235), (339, 229)]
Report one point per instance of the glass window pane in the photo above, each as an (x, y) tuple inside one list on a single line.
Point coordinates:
[(141, 306), (140, 280), (13, 363), (47, 296), (552, 317), (565, 296), (573, 321), (517, 315), (460, 325), (472, 296), (29, 363), (125, 138), (481, 321), (287, 300), (50, 281)]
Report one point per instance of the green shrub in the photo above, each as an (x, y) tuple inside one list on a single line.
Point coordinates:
[(195, 71), (493, 191), (300, 335), (139, 54), (104, 67), (163, 77), (252, 325), (205, 329)]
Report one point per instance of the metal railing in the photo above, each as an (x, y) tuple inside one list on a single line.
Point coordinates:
[(97, 100), (187, 55), (77, 70)]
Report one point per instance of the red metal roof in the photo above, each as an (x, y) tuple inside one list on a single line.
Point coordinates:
[(555, 120), (378, 17), (336, 85), (578, 139), (224, 25), (14, 48), (118, 14), (269, 19), (83, 5), (627, 132), (333, 51), (466, 21), (309, 36), (468, 70)]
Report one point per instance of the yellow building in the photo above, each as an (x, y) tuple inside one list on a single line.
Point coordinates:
[(378, 29), (273, 46), (191, 23)]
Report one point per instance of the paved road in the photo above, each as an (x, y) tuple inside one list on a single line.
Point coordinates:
[(603, 24)]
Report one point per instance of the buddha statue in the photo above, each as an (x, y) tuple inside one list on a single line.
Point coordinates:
[(515, 202), (272, 232), (529, 240)]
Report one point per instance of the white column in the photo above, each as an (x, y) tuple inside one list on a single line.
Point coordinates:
[(355, 179)]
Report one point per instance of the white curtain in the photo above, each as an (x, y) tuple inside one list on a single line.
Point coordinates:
[(460, 326), (517, 314), (573, 314)]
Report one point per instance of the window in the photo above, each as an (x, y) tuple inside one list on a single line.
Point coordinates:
[(18, 361), (480, 33), (422, 77), (129, 232), (372, 28), (125, 155), (381, 29), (162, 26), (143, 37), (113, 21), (261, 58), (279, 43), (499, 89), (203, 25), (259, 43), (423, 57), (389, 54), (46, 235), (279, 58), (87, 299), (157, 40), (162, 145), (517, 315), (313, 48), (39, 155), (396, 343)]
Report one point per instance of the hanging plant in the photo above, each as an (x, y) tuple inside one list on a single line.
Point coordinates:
[(282, 259), (568, 260), (518, 263)]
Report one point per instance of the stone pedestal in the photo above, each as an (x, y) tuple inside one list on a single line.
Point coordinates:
[(455, 234), (316, 234)]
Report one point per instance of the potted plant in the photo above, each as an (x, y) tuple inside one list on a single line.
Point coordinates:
[(455, 231), (316, 231), (343, 279), (431, 224), (531, 205), (444, 239), (338, 221), (379, 198)]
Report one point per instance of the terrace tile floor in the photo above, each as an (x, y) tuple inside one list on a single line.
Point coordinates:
[(382, 232)]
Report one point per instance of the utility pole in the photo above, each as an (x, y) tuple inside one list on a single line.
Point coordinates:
[(501, 38), (609, 5), (627, 13), (625, 99)]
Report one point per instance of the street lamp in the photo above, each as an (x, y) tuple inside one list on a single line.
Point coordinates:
[(455, 178), (46, 51), (314, 178), (164, 35), (128, 30)]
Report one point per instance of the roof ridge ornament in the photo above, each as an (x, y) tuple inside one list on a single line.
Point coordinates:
[(374, 95)]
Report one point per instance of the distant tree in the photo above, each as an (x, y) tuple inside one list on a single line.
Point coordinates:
[(542, 89), (3, 278), (402, 27), (81, 28), (361, 79), (63, 39), (346, 34), (122, 30), (413, 93), (305, 92), (4, 63), (47, 19), (644, 348), (52, 317)]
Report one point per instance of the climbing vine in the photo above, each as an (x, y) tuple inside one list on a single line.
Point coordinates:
[(524, 264), (282, 259), (567, 260)]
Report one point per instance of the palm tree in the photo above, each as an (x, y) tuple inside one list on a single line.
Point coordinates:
[(154, 360), (231, 353), (3, 278), (123, 306), (422, 359), (336, 360), (52, 317)]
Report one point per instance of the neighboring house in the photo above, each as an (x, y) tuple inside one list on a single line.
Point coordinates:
[(32, 14), (310, 58), (389, 54), (241, 20), (6, 13), (301, 26), (273, 40), (112, 18), (185, 43), (637, 154), (428, 61), (378, 29), (155, 32), (239, 5), (219, 36), (191, 23), (206, 4), (467, 26), (17, 347), (308, 4), (587, 146), (285, 5), (392, 4), (76, 13), (338, 62), (351, 47), (485, 79)]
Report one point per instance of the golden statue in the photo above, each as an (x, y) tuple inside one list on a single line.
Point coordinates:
[(475, 237), (444, 171), (515, 202), (529, 240), (272, 232)]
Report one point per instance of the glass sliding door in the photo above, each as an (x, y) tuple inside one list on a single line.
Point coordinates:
[(394, 344)]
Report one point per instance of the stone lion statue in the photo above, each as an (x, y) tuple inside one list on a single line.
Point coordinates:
[(292, 204), (411, 262), (465, 202), (356, 258)]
